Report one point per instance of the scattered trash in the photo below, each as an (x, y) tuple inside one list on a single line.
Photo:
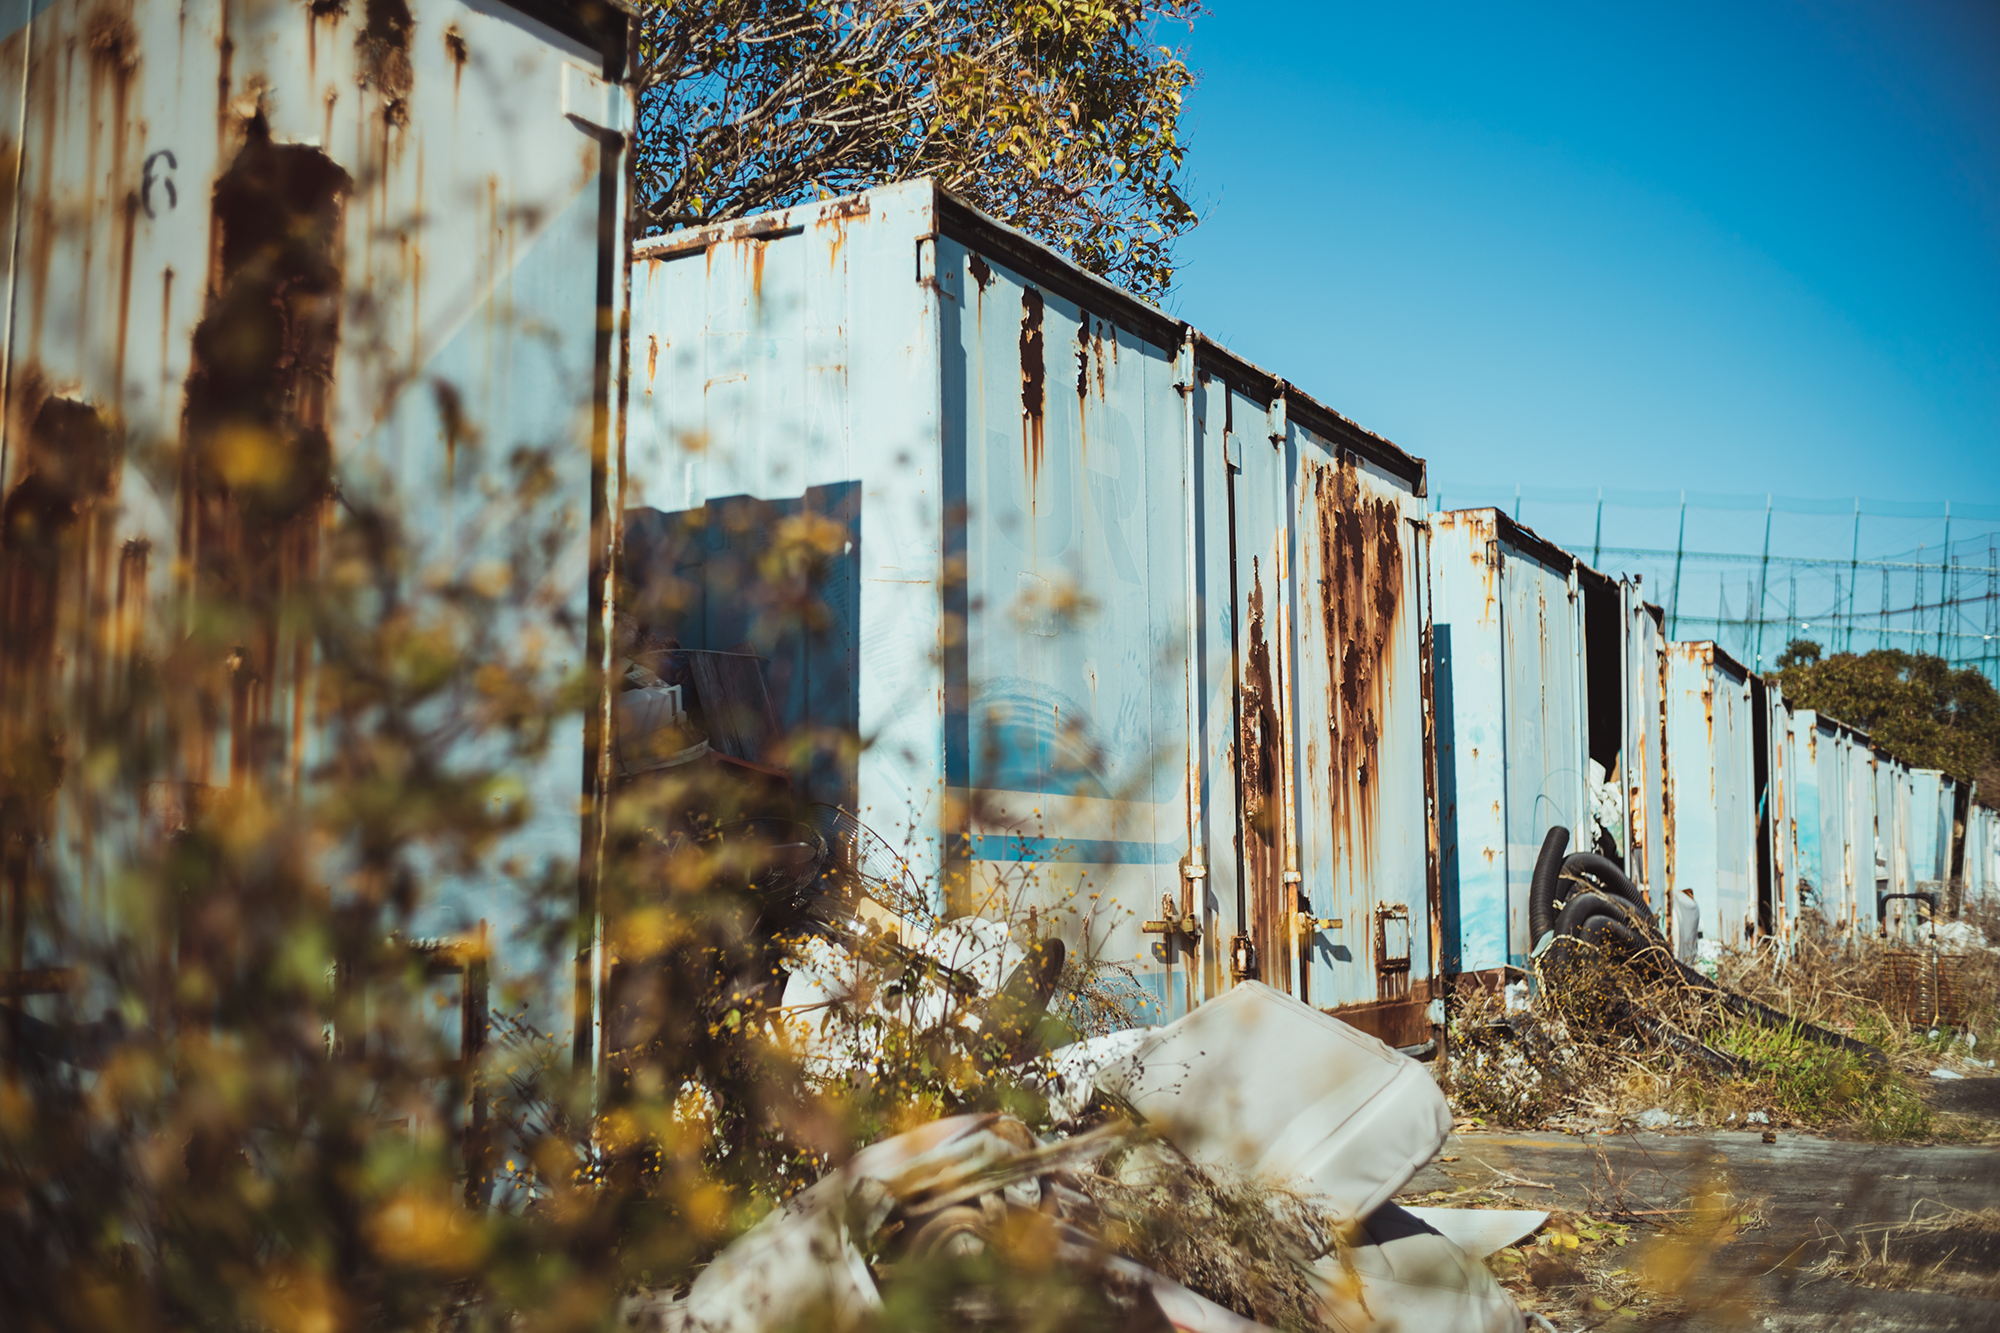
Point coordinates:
[(1946, 1073), (1582, 910), (1405, 1275), (1957, 936), (1350, 1119), (1481, 1231), (1257, 1195)]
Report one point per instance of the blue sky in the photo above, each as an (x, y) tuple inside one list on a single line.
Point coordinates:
[(1724, 247)]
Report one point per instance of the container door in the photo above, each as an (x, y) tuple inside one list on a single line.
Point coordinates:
[(1364, 814), (1542, 662), (1259, 499)]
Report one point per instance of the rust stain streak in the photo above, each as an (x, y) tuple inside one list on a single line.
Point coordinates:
[(166, 330), (257, 461), (1361, 588), (1034, 370), (124, 298), (454, 46), (1258, 779)]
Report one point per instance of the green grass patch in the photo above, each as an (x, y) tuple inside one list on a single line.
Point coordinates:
[(1821, 1086)]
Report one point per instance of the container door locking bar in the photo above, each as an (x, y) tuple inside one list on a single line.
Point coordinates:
[(1173, 922)]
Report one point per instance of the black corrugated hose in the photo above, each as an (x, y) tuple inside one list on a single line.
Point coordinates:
[(1587, 897)]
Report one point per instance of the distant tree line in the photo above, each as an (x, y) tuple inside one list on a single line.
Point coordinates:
[(1922, 708)]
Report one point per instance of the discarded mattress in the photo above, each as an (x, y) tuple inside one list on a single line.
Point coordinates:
[(1256, 1081)]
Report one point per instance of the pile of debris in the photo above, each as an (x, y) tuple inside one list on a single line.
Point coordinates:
[(1238, 1176), (1598, 945)]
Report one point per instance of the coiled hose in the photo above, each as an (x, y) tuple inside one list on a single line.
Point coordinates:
[(1588, 898)]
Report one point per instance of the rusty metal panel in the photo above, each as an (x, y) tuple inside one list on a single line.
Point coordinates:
[(1932, 795), (1648, 803), (1982, 859), (435, 182), (1546, 746), (1827, 850), (1865, 835), (1807, 824), (1894, 792), (1776, 814), (1711, 773), (1471, 738), (1266, 790), (1077, 742), (787, 379), (1360, 749)]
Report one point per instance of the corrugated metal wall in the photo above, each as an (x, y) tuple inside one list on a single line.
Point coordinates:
[(1649, 806), (439, 206), (1712, 774)]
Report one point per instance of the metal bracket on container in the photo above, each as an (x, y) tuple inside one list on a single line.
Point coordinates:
[(1174, 923), (1184, 361), (1278, 427), (1242, 958), (1311, 925)]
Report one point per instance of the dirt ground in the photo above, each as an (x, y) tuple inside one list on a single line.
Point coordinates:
[(1716, 1229)]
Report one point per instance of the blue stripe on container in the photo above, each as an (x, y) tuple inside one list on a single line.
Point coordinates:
[(1086, 851)]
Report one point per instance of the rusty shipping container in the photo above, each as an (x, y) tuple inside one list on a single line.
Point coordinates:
[(384, 236), (1772, 762), (1548, 686), (1135, 633), (1982, 860), (1712, 772), (1834, 821), (1933, 802)]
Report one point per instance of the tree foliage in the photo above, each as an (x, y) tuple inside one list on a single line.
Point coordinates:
[(1921, 708), (1060, 117)]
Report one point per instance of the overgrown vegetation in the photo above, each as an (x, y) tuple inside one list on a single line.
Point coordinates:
[(1602, 1047), (1060, 117)]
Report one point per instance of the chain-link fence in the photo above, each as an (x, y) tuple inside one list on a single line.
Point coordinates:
[(1754, 572)]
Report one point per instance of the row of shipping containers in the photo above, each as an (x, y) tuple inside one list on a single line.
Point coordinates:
[(1154, 650), (1562, 703), (1141, 643)]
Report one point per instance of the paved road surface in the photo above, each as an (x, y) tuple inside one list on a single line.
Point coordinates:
[(1814, 1195)]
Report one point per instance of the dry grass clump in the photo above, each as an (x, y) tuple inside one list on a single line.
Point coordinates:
[(1240, 1241), (1948, 1250), (1598, 1039), (1604, 1041), (1844, 984)]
